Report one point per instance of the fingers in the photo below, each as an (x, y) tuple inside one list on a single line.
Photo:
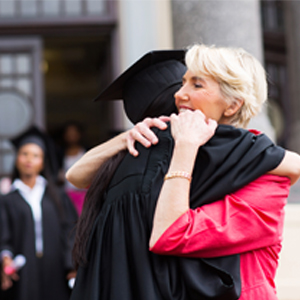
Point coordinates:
[(132, 150), (146, 135), (212, 124), (143, 134), (160, 122), (14, 277), (192, 127), (164, 119), (199, 113), (137, 134), (7, 281), (6, 284)]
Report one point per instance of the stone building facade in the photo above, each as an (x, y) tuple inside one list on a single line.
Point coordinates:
[(56, 55)]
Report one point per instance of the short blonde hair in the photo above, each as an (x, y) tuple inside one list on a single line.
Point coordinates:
[(239, 74)]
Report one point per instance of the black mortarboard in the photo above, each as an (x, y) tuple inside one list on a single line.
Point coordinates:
[(34, 135), (148, 86)]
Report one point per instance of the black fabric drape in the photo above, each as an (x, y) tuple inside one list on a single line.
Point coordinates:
[(232, 158), (120, 264)]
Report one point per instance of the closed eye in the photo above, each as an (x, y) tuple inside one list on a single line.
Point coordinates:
[(197, 85)]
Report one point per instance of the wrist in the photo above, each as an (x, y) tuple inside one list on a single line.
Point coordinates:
[(183, 158), (122, 141), (186, 148)]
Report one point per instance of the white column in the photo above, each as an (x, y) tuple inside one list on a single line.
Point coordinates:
[(144, 25), (234, 23)]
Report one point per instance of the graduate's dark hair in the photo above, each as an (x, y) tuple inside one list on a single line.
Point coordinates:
[(93, 203)]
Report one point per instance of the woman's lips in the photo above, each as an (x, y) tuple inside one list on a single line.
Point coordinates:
[(184, 108)]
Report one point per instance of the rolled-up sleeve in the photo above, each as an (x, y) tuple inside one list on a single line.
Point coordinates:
[(246, 220)]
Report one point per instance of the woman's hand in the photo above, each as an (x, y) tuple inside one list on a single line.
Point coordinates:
[(192, 127), (142, 133)]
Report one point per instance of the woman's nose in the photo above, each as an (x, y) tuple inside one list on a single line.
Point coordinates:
[(181, 94)]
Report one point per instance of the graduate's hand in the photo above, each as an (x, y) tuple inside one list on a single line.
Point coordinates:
[(143, 134), (7, 280), (288, 167), (71, 277), (71, 274)]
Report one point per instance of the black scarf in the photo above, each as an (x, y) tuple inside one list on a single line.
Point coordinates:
[(232, 158)]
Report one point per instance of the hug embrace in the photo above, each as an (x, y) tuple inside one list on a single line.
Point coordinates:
[(187, 204)]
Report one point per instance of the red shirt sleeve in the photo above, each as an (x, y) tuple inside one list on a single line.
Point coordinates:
[(246, 220)]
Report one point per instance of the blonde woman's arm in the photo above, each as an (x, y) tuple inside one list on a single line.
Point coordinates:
[(190, 131)]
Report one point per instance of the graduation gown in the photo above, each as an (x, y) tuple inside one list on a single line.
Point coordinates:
[(120, 265), (41, 278)]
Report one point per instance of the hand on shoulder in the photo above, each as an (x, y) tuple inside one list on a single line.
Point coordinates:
[(143, 134)]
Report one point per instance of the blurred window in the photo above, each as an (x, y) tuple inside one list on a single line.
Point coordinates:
[(95, 7), (16, 72), (20, 93), (272, 15), (51, 8)]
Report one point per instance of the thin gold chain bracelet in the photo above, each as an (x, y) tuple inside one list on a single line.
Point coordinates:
[(181, 174)]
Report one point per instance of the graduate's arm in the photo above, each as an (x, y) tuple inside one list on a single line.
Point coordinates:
[(83, 171), (289, 167)]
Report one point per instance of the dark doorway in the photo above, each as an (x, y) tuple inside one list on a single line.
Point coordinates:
[(76, 69)]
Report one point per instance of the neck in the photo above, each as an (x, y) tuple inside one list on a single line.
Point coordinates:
[(29, 180)]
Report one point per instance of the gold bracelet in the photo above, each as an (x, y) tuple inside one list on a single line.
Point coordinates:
[(181, 174)]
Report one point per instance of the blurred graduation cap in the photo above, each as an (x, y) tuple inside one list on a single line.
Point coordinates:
[(34, 135), (147, 87)]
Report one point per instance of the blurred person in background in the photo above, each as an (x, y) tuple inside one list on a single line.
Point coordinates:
[(72, 150), (37, 222)]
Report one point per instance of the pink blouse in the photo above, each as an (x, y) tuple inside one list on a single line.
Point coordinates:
[(248, 222)]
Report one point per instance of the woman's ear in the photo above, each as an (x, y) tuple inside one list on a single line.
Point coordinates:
[(233, 108)]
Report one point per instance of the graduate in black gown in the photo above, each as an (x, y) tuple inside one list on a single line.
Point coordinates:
[(37, 222), (112, 249)]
